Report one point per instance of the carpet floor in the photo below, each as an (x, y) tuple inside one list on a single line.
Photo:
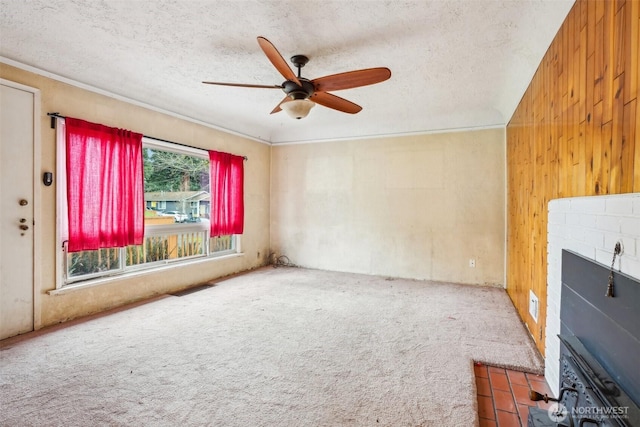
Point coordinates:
[(273, 347)]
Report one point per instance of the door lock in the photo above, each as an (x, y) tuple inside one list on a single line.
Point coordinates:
[(23, 202), (24, 227), (23, 220)]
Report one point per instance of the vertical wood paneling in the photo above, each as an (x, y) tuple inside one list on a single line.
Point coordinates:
[(574, 133), (632, 26)]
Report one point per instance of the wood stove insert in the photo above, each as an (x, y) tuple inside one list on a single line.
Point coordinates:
[(600, 347)]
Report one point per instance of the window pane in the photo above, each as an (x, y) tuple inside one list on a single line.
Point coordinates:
[(91, 262), (154, 249), (176, 187), (223, 244), (167, 247)]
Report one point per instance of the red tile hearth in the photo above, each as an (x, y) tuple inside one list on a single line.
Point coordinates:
[(503, 395)]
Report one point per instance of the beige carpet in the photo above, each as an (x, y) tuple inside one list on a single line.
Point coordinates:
[(274, 347)]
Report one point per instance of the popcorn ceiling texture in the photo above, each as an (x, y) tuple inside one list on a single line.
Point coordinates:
[(455, 64), (274, 347)]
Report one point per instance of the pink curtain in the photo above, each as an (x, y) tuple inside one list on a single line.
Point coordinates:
[(105, 189), (227, 193)]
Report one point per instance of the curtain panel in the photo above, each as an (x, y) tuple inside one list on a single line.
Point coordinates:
[(227, 193), (105, 187)]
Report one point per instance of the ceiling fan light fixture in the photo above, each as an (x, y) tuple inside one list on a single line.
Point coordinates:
[(298, 108), (298, 89)]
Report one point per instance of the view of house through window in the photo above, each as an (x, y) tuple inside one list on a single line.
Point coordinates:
[(176, 185), (177, 212)]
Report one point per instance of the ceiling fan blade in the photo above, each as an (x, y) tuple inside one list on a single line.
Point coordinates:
[(277, 60), (335, 102), (278, 109), (351, 79), (244, 85)]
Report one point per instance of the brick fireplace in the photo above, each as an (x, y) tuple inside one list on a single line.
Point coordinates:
[(591, 227)]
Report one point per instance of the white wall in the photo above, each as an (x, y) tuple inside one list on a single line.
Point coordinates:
[(589, 226), (415, 206)]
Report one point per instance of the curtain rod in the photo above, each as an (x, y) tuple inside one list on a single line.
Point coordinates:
[(60, 116)]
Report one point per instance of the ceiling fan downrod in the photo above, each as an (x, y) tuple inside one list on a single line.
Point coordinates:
[(292, 89), (299, 61)]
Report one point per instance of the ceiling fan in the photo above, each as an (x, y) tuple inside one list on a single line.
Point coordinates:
[(302, 94)]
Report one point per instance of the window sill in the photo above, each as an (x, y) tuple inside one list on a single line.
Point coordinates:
[(105, 280)]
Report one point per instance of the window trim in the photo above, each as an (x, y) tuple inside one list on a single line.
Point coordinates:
[(105, 280), (155, 144), (64, 283)]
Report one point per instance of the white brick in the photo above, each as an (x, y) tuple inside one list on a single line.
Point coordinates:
[(628, 244), (552, 374), (582, 249), (553, 329), (610, 240), (554, 229), (576, 233), (632, 248), (619, 205), (596, 239), (553, 296), (552, 359), (552, 266), (556, 218), (553, 320), (604, 257), (563, 232), (636, 205), (555, 252), (593, 205), (608, 223), (630, 225), (553, 348), (587, 220), (559, 205), (630, 267), (572, 218)]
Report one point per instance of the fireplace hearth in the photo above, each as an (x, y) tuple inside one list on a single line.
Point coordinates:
[(600, 343)]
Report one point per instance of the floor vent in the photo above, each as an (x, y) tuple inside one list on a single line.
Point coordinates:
[(192, 290)]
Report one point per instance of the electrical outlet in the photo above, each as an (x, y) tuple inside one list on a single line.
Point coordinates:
[(472, 263), (533, 305)]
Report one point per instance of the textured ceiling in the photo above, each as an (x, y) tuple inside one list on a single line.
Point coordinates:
[(455, 64)]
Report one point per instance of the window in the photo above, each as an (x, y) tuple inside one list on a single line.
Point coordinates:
[(156, 205), (176, 219)]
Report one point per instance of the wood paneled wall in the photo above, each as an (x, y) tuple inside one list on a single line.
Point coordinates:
[(574, 133)]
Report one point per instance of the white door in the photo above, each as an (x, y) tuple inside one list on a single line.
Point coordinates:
[(16, 212)]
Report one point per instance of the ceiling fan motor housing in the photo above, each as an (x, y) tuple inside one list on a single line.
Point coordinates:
[(295, 91)]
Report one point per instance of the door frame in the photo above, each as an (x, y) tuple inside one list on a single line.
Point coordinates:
[(37, 211)]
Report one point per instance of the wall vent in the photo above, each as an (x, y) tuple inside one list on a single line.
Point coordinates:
[(533, 305)]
